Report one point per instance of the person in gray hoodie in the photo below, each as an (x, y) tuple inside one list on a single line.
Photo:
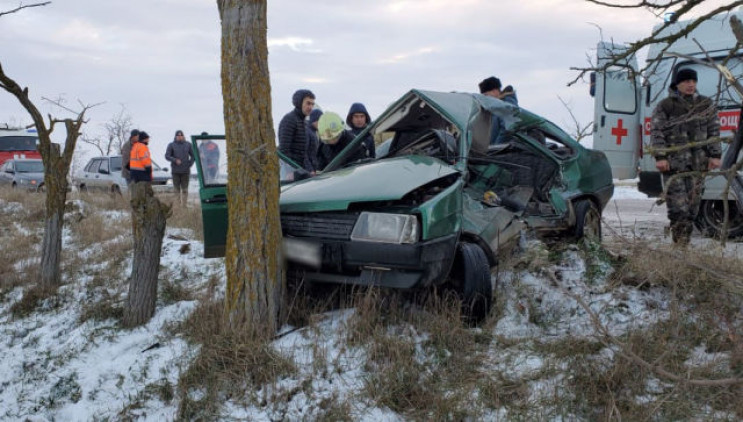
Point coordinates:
[(180, 155)]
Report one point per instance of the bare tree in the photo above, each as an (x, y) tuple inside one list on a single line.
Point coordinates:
[(56, 168), (117, 133), (679, 9), (255, 279), (579, 131)]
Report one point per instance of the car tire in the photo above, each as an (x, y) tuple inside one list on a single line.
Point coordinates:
[(711, 218), (587, 221), (14, 186), (83, 189), (471, 278), (115, 190)]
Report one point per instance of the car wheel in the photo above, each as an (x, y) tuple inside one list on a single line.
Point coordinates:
[(14, 186), (471, 278), (711, 219), (587, 221), (115, 190), (83, 189)]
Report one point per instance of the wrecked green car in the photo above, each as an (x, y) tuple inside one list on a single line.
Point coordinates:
[(437, 205)]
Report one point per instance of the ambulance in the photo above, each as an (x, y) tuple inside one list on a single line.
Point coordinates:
[(18, 143), (625, 99)]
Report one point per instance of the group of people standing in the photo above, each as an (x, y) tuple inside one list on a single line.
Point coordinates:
[(137, 162), (313, 138)]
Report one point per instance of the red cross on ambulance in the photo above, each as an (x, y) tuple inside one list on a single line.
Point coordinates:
[(619, 131)]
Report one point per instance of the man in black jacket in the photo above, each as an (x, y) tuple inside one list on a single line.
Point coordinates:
[(292, 130), (180, 155), (358, 119)]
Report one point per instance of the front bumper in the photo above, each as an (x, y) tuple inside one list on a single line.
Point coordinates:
[(380, 264)]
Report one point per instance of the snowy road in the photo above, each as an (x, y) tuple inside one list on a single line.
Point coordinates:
[(635, 216)]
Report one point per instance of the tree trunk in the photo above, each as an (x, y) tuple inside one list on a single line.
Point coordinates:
[(255, 279), (149, 216), (55, 186)]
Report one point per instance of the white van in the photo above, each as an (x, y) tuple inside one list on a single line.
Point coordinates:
[(624, 105)]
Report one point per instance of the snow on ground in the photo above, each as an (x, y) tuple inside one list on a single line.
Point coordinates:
[(55, 368)]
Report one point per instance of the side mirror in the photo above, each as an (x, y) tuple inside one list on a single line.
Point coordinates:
[(103, 171), (165, 169), (592, 89), (11, 171)]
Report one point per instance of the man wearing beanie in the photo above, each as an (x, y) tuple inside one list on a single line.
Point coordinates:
[(126, 149), (492, 88), (313, 142), (292, 130), (681, 125)]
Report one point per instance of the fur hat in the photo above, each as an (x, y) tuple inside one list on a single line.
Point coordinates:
[(134, 133), (489, 84), (685, 74), (143, 136)]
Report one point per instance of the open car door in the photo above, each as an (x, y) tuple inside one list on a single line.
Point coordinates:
[(616, 125), (211, 166)]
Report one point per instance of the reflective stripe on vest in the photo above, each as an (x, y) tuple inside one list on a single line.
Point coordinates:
[(140, 157)]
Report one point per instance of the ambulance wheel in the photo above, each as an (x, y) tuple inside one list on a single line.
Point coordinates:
[(711, 218)]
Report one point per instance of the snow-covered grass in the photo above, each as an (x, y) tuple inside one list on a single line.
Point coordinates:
[(567, 339)]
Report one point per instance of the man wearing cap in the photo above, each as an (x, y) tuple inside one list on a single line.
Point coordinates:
[(682, 124), (126, 150), (492, 88), (180, 154)]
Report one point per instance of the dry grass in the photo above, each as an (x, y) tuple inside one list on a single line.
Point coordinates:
[(187, 218), (231, 362), (33, 298), (423, 362), (104, 308), (706, 315)]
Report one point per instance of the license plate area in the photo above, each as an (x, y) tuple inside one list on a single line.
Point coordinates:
[(302, 252)]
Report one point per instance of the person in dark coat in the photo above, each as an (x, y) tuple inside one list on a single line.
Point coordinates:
[(333, 138), (492, 87), (126, 150), (358, 119), (313, 142), (180, 155), (292, 130), (684, 129)]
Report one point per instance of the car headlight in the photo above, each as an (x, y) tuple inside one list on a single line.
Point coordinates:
[(387, 228), (23, 181)]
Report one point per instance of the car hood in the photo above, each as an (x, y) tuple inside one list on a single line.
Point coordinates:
[(382, 180)]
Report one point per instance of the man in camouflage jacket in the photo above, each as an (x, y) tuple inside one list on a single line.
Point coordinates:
[(681, 122)]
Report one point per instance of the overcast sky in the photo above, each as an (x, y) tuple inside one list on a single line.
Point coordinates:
[(161, 58)]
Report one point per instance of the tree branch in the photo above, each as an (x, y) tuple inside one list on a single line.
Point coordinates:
[(22, 6)]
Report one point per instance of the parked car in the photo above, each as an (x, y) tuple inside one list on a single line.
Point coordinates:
[(104, 174), (25, 174), (438, 203)]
